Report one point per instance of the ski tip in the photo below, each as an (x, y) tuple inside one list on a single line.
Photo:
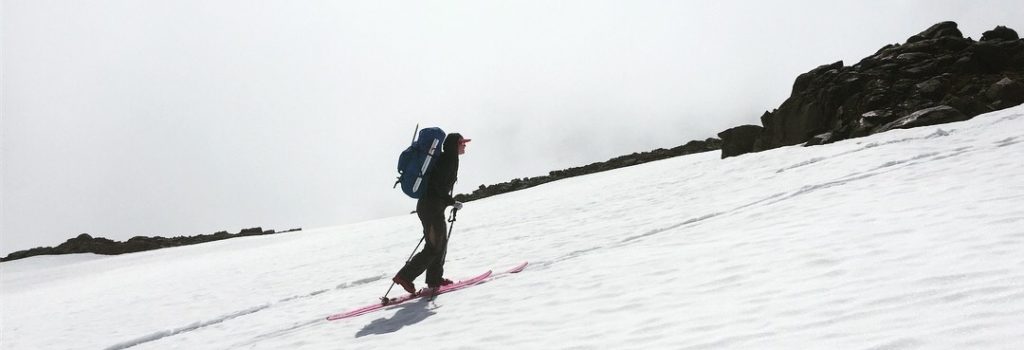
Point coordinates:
[(519, 268)]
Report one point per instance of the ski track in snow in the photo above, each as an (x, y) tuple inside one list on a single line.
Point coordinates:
[(905, 240), (168, 333), (191, 327)]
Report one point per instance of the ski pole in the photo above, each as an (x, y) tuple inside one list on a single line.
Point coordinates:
[(384, 298), (450, 228)]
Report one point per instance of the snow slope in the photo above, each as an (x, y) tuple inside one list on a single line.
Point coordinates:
[(912, 239)]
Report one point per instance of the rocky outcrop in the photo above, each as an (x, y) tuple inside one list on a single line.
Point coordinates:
[(739, 140), (691, 147), (1000, 33), (899, 86), (86, 243)]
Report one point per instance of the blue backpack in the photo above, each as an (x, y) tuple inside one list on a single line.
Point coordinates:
[(416, 161)]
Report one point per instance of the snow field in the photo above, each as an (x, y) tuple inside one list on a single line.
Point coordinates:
[(909, 239)]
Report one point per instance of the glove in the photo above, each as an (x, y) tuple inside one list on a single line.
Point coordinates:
[(457, 205)]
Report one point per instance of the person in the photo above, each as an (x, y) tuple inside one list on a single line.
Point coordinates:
[(430, 209)]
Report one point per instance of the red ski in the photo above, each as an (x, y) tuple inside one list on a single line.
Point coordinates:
[(404, 298)]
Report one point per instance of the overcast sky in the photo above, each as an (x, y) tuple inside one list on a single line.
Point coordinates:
[(135, 117)]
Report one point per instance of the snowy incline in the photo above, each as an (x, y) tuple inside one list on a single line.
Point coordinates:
[(911, 239)]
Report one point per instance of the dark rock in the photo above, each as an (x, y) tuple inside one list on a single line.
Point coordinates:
[(140, 243), (870, 120), (992, 55), (925, 117), (953, 44), (739, 140), (967, 64), (932, 88), (912, 57), (877, 117), (876, 100), (935, 46), (922, 70), (884, 51), (84, 243), (890, 67), (820, 139), (800, 117), (968, 104), (903, 85), (251, 231), (804, 79), (1000, 33), (1006, 93), (943, 29), (914, 103)]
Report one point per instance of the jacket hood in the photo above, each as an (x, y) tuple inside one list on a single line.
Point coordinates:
[(451, 143)]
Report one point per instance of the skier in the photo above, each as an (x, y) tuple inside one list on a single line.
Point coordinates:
[(430, 208)]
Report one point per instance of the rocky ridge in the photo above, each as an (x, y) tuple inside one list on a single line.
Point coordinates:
[(86, 243), (936, 76)]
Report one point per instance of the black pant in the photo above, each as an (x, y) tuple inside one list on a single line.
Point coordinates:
[(431, 258)]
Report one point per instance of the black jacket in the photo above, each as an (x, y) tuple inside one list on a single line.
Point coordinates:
[(442, 178)]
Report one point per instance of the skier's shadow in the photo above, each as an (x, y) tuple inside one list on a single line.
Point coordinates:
[(410, 314)]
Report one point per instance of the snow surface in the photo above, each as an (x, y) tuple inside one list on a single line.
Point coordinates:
[(911, 239)]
